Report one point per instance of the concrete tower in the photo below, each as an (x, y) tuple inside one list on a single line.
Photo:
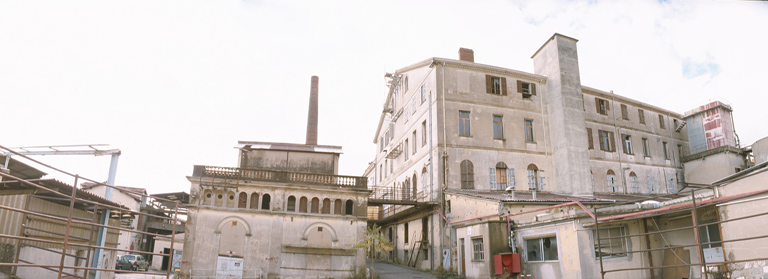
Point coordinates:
[(557, 59)]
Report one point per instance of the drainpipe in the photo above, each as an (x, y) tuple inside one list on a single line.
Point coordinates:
[(616, 129), (431, 182)]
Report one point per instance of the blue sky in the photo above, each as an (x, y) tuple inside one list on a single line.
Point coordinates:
[(177, 83)]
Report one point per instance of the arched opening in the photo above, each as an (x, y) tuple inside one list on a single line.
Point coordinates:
[(231, 199), (207, 197), (315, 206), (265, 200), (254, 201), (349, 207), (534, 182), (337, 204), (467, 175), (232, 240), (326, 206), (634, 184), (291, 204), (414, 182), (415, 190), (406, 188), (611, 178), (219, 198), (499, 176), (242, 200), (303, 205)]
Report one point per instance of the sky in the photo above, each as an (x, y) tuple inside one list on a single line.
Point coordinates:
[(174, 84)]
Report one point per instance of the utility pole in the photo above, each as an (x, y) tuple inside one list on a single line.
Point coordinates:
[(66, 150)]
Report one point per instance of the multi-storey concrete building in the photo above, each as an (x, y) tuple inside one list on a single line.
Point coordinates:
[(456, 131)]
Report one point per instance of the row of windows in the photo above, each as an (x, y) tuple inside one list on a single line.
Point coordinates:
[(500, 177), (243, 201), (607, 143), (603, 106), (634, 183), (498, 86), (388, 166), (497, 125)]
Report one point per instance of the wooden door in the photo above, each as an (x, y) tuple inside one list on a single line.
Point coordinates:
[(463, 258)]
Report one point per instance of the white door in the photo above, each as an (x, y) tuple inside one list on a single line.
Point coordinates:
[(229, 268)]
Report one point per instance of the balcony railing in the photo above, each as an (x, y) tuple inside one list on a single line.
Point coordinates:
[(280, 176)]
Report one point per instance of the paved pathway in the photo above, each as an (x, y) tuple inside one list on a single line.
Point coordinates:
[(393, 271)]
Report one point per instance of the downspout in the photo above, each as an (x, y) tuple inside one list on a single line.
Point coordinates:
[(546, 142), (616, 130), (431, 181)]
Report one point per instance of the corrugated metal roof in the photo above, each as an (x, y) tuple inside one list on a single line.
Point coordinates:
[(54, 185)]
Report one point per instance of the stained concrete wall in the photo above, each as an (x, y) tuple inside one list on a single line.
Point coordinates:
[(291, 161), (276, 242), (760, 150), (712, 168), (126, 239)]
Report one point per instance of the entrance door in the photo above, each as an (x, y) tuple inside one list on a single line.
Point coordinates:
[(463, 257)]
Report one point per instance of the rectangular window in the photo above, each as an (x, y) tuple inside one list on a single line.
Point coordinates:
[(589, 139), (495, 85), (477, 249), (424, 133), (646, 149), (627, 144), (641, 116), (602, 106), (423, 92), (666, 153), (498, 127), (541, 249), (661, 121), (528, 130), (613, 242), (405, 227), (405, 149), (415, 147), (606, 140), (624, 112), (464, 123), (527, 89)]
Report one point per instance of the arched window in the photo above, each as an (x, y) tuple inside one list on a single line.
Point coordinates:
[(255, 201), (414, 182), (407, 188), (303, 205), (242, 200), (208, 195), (467, 175), (611, 177), (231, 199), (498, 176), (315, 206), (326, 206), (349, 207), (291, 204), (634, 185), (423, 183), (265, 200), (219, 198), (337, 204), (534, 182)]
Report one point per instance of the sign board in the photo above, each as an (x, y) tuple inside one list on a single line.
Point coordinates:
[(714, 255), (229, 268)]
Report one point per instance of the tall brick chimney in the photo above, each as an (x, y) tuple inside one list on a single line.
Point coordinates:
[(312, 113), (466, 54)]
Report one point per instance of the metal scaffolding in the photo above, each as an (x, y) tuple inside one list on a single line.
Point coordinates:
[(37, 228)]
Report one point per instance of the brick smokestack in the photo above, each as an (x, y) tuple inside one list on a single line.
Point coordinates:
[(466, 54), (312, 114)]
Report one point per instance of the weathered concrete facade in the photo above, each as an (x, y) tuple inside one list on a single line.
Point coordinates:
[(286, 215)]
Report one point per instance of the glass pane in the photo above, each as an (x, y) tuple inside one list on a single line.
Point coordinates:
[(534, 250), (550, 248)]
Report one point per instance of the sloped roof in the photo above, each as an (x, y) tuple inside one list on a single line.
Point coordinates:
[(12, 186), (134, 192)]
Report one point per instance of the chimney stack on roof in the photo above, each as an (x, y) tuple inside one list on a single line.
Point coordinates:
[(312, 113), (466, 54)]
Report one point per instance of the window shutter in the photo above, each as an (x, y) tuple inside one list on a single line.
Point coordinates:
[(541, 182), (406, 113), (607, 105), (533, 89), (612, 143), (488, 84), (493, 178), (519, 86), (391, 131), (597, 105), (589, 138), (510, 178), (623, 145), (503, 86), (414, 103)]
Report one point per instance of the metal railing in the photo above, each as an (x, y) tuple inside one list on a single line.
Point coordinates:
[(280, 176)]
